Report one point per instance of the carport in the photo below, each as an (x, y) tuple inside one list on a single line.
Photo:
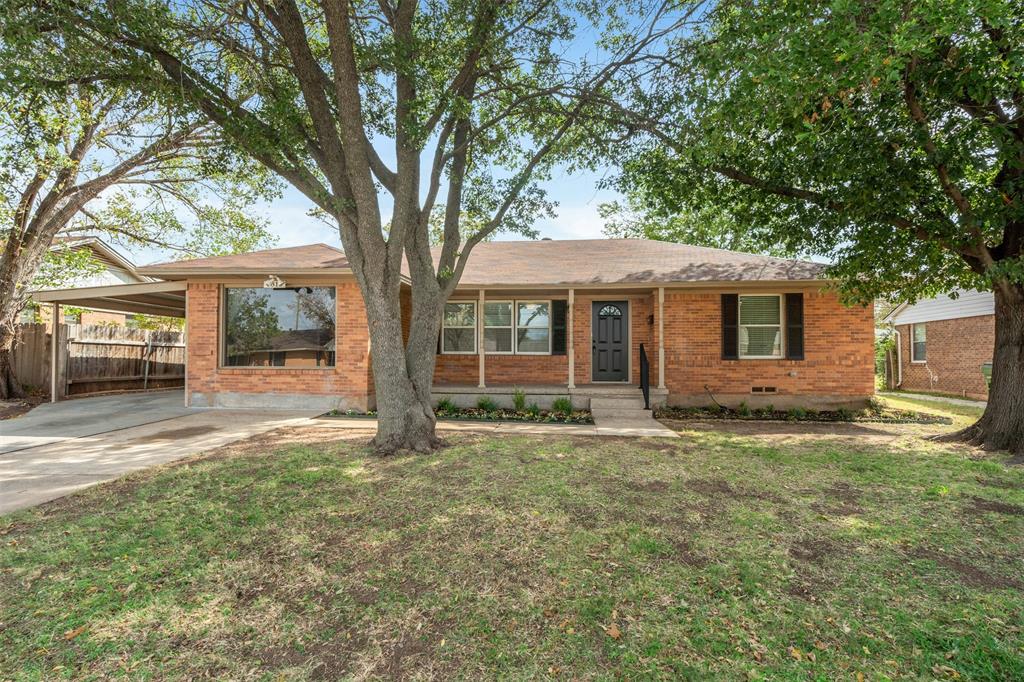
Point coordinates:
[(148, 298)]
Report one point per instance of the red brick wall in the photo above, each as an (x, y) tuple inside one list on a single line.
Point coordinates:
[(554, 369), (956, 350), (348, 382), (839, 353)]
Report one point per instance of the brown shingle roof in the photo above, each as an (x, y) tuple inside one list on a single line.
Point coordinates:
[(622, 261), (269, 262), (536, 263)]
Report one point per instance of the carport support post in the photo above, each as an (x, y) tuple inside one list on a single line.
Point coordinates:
[(54, 350), (480, 339), (661, 337), (569, 347)]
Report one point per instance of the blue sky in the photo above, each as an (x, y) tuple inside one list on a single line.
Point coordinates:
[(578, 196)]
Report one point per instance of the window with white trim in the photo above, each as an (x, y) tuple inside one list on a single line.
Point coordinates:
[(760, 326), (498, 327), (919, 343), (458, 328), (533, 327)]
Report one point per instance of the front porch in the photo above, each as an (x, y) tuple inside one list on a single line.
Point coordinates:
[(544, 395), (551, 343)]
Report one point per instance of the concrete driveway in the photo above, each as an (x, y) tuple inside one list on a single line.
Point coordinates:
[(61, 447)]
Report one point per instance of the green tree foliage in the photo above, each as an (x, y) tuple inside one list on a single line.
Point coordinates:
[(376, 106), (82, 150), (712, 226), (886, 136)]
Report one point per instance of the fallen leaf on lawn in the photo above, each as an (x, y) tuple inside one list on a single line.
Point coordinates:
[(860, 677), (796, 653), (811, 657), (71, 634), (946, 671), (819, 645), (131, 588), (613, 631)]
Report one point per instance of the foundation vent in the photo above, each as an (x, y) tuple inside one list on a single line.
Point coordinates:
[(763, 389)]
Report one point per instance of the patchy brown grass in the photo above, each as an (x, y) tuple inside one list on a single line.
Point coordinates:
[(728, 554)]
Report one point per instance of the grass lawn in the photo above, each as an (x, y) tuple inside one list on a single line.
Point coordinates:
[(798, 554), (962, 415)]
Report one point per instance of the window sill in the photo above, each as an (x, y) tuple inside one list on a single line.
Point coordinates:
[(274, 370)]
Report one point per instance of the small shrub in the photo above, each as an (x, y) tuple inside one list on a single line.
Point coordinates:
[(486, 404), (533, 409), (767, 411), (876, 406), (714, 408), (519, 400), (445, 406), (743, 410), (562, 406), (844, 415), (794, 414)]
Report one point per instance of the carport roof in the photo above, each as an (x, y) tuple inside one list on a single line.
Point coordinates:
[(148, 298)]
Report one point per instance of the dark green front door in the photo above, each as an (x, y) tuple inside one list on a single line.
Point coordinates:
[(610, 341)]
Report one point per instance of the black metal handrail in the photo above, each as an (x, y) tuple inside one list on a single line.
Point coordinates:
[(645, 377)]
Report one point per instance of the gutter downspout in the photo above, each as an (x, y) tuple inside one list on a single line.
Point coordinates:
[(899, 357)]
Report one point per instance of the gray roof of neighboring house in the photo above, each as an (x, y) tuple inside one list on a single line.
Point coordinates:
[(536, 263)]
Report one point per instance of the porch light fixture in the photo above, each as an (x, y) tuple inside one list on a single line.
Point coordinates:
[(274, 282)]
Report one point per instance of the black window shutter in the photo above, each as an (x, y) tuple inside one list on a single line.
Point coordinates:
[(730, 326), (558, 315), (794, 326)]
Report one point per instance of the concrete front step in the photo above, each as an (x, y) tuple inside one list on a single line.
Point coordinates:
[(639, 414), (617, 403)]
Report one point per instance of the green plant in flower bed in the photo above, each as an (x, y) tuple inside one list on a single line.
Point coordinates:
[(876, 412), (486, 404), (519, 400), (445, 406), (562, 406), (530, 414)]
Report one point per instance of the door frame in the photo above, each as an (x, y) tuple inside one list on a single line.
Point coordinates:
[(626, 303)]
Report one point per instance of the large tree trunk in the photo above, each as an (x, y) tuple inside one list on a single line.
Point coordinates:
[(1001, 427), (10, 387), (405, 414)]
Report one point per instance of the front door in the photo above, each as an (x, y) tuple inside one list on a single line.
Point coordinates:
[(611, 341)]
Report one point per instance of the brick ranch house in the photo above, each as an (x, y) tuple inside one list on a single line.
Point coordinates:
[(942, 343), (287, 327)]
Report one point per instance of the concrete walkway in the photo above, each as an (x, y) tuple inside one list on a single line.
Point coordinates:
[(47, 456), (55, 422), (964, 402)]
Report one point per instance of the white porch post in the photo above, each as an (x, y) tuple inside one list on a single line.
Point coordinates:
[(480, 338), (661, 337), (54, 350), (569, 345)]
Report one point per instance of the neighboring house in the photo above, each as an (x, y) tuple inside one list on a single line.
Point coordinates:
[(942, 344), (287, 327), (116, 269)]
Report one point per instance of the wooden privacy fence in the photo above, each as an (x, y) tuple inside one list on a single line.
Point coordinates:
[(99, 358)]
